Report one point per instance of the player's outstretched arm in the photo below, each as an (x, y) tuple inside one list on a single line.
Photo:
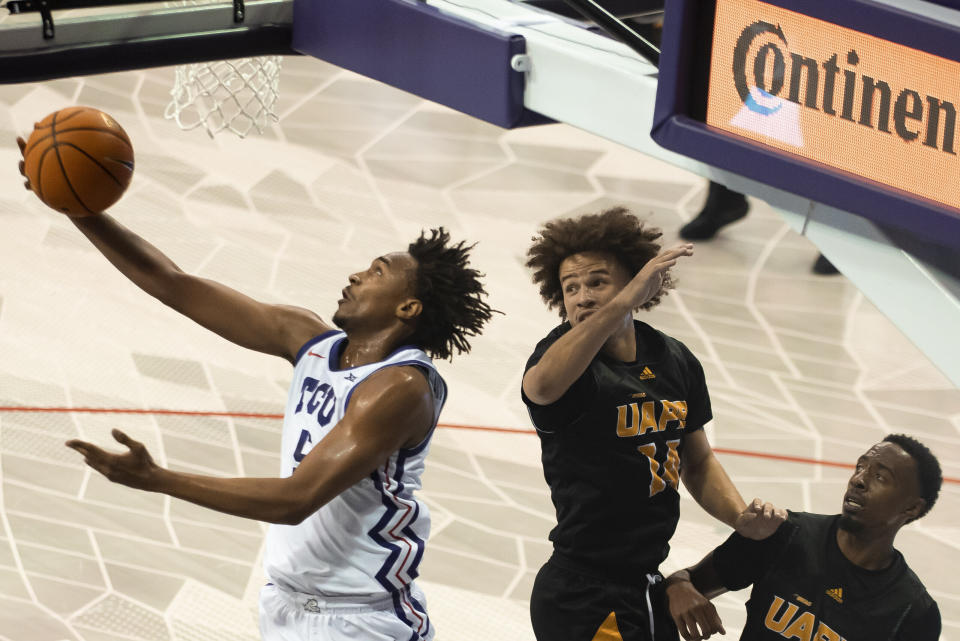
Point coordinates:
[(707, 481), (566, 360), (279, 330), (710, 486), (688, 592), (392, 409)]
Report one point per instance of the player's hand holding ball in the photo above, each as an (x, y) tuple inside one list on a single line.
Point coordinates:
[(78, 161)]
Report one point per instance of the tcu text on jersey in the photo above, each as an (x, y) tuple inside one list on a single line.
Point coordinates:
[(318, 400)]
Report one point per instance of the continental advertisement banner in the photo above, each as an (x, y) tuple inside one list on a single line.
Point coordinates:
[(837, 96)]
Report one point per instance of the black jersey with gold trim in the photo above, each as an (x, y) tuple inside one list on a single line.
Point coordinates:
[(805, 588), (611, 449)]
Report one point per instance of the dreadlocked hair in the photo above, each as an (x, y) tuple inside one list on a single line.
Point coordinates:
[(451, 293), (615, 231)]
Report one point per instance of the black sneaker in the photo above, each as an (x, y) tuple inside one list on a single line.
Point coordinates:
[(723, 207), (824, 267)]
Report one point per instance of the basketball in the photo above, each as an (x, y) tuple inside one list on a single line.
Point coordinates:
[(78, 160)]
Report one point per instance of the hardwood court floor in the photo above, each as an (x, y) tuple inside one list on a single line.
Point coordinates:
[(798, 365)]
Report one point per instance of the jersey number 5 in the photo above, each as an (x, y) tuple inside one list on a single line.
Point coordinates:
[(670, 469)]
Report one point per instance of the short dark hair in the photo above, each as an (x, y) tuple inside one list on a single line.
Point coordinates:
[(615, 231), (451, 293), (928, 467)]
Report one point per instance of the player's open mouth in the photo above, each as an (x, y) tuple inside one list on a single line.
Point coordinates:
[(851, 504)]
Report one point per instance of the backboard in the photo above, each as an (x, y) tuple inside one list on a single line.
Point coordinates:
[(121, 37)]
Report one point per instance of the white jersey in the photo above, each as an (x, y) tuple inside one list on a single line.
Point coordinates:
[(369, 540)]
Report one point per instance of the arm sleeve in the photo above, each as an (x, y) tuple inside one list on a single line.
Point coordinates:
[(925, 626), (699, 412), (567, 408), (740, 561)]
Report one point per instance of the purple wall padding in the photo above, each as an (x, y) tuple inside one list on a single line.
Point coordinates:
[(416, 48), (674, 129)]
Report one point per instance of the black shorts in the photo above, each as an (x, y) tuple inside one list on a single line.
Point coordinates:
[(567, 605)]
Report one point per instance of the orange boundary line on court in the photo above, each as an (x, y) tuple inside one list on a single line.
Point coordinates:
[(480, 428), (254, 415), (783, 457)]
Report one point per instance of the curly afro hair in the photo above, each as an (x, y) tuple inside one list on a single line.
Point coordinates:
[(615, 231), (451, 293)]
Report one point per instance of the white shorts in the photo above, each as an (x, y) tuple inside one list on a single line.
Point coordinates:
[(293, 616)]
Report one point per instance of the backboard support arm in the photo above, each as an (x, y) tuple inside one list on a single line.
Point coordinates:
[(617, 28)]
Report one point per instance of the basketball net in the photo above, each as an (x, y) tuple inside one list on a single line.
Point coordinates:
[(238, 95)]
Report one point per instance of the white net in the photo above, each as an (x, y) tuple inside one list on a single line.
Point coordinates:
[(237, 95)]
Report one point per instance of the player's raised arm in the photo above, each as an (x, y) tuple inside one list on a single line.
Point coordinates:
[(587, 283), (392, 409), (279, 330)]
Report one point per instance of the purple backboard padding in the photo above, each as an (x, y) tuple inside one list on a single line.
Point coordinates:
[(676, 61), (953, 4), (673, 129), (416, 48), (883, 21), (820, 183)]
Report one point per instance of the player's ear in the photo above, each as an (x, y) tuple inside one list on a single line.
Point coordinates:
[(409, 309), (914, 510)]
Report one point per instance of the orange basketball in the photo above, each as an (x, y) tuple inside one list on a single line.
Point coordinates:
[(78, 160)]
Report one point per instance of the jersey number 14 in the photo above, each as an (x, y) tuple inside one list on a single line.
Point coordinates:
[(666, 473)]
